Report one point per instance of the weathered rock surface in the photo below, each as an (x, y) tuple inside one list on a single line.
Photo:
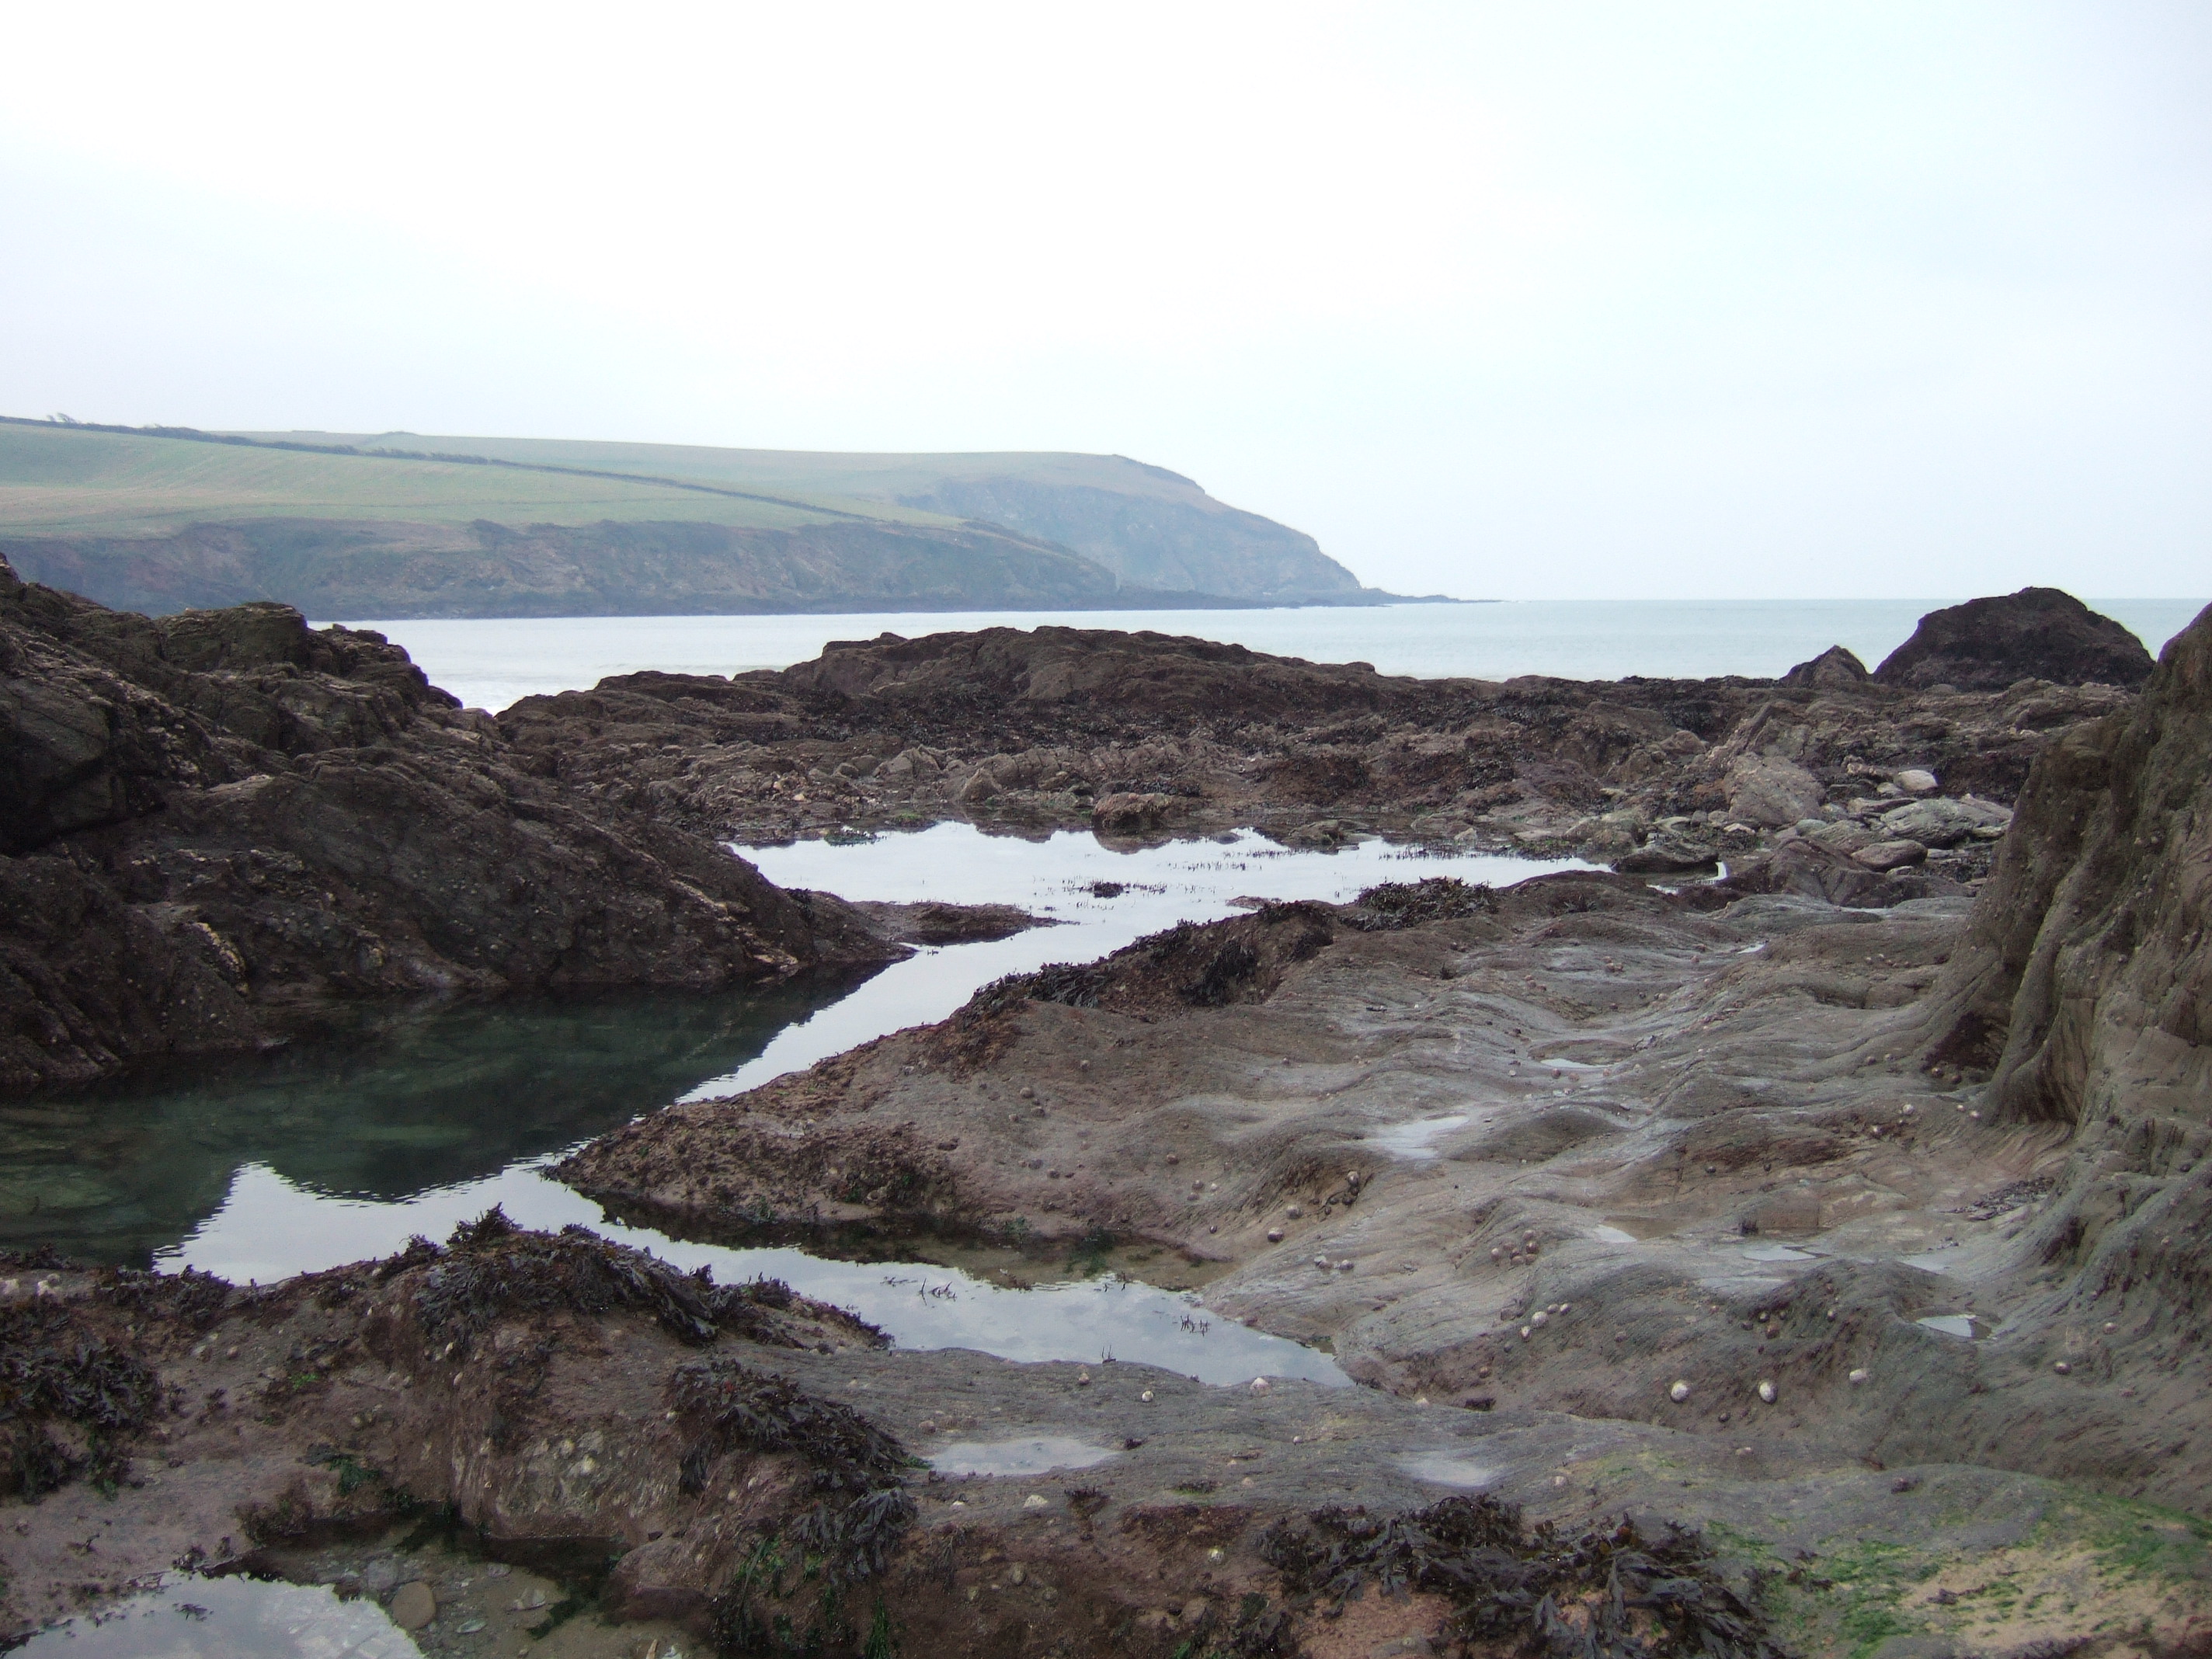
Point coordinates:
[(1139, 735), (216, 824), (2038, 632), (1836, 669)]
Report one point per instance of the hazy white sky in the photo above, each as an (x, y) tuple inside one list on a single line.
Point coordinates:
[(1537, 301)]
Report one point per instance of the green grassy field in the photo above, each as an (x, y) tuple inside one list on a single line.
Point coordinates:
[(71, 481)]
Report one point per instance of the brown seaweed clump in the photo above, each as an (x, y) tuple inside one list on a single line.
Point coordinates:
[(55, 1375), (861, 1505), (1396, 904), (491, 1269), (1617, 1594)]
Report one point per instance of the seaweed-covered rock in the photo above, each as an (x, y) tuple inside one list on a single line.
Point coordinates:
[(2037, 634)]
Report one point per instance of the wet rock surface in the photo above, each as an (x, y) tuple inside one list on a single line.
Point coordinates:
[(217, 824), (1911, 1190), (1856, 1225)]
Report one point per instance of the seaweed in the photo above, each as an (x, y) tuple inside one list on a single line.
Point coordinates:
[(1617, 1594), (860, 1507), (190, 1297), (51, 1369), (490, 1268), (1398, 904)]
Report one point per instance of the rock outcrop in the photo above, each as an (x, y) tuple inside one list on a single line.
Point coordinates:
[(216, 826), (2037, 634)]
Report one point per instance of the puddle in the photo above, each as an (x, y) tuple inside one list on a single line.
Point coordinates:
[(1037, 1455), (228, 1619), (1964, 1325), (1416, 1140), (1775, 1253), (1450, 1468), (1931, 1261)]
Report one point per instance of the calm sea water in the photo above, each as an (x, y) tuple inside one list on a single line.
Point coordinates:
[(490, 663)]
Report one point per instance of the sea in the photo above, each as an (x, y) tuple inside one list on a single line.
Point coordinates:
[(491, 662)]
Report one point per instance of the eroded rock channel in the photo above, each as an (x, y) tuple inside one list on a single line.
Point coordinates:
[(1796, 1258)]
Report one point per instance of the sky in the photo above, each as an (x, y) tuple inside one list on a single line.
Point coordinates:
[(1894, 299)]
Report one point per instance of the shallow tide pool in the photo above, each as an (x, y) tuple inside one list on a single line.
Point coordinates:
[(259, 1170)]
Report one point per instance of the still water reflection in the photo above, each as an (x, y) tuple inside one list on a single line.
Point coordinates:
[(256, 1169)]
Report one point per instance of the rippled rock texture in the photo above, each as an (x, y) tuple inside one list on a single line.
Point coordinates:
[(1914, 1191), (217, 824)]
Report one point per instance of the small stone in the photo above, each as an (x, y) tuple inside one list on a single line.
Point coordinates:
[(1496, 1253), (1541, 1320), (1767, 1392), (1260, 1385), (1036, 1501), (1678, 1392), (1293, 1210), (412, 1605), (1082, 1379), (1344, 1265), (1525, 1333), (1274, 1235), (1147, 1396), (2062, 1368), (1858, 1376), (1028, 1093), (1016, 1576), (1217, 1553)]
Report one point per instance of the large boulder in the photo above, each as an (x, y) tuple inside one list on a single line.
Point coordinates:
[(1836, 669), (214, 826), (1767, 791), (2037, 634)]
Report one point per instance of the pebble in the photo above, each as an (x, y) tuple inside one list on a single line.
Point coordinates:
[(1345, 1265), (1292, 1210), (1767, 1392), (1147, 1396), (1015, 1575), (1858, 1376), (1274, 1235), (1260, 1385), (1036, 1501), (1678, 1392), (1525, 1333), (412, 1605), (1541, 1320), (2062, 1368), (1082, 1379)]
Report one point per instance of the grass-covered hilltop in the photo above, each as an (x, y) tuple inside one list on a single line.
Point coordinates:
[(400, 524)]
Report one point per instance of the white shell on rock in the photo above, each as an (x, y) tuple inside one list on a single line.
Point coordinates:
[(1767, 1392), (1678, 1392)]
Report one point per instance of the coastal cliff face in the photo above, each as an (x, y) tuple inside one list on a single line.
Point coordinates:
[(219, 825)]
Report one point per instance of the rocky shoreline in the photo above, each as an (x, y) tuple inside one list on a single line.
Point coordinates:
[(1849, 1207)]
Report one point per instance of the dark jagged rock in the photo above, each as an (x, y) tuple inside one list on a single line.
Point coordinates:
[(215, 824), (2085, 975), (1838, 668), (2037, 634)]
